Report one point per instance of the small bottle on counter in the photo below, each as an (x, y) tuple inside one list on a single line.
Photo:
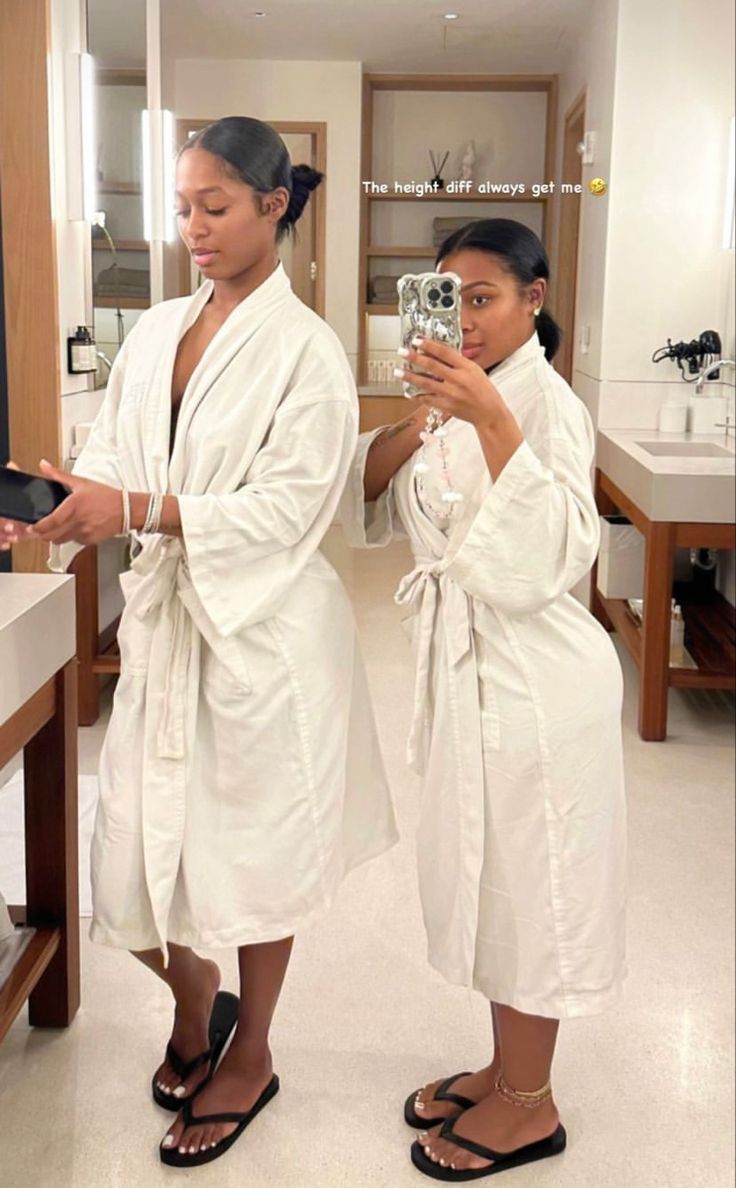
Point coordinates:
[(81, 351)]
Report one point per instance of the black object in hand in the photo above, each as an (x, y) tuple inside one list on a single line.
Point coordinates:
[(28, 497)]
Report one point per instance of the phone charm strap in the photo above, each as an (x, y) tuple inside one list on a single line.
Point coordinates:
[(435, 430)]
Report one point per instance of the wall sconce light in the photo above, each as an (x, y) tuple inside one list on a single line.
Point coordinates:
[(81, 162), (729, 221), (157, 136)]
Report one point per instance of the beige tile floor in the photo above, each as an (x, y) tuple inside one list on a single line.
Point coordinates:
[(645, 1091)]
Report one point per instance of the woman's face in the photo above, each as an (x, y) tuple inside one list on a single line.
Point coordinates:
[(227, 227), (497, 315)]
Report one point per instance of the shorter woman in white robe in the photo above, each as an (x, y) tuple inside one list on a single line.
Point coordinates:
[(521, 843), (240, 777)]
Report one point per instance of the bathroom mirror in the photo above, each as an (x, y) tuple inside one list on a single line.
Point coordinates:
[(116, 38)]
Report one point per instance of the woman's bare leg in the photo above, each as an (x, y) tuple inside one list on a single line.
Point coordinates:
[(475, 1087), (194, 982), (527, 1046), (247, 1067)]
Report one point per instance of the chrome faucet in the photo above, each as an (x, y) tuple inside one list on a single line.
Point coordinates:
[(707, 370), (105, 360)]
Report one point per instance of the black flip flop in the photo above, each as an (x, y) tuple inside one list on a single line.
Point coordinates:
[(222, 1022), (173, 1158), (543, 1149), (441, 1094)]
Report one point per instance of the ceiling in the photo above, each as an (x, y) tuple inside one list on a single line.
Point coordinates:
[(406, 36)]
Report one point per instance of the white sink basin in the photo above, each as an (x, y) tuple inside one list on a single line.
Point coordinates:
[(685, 449)]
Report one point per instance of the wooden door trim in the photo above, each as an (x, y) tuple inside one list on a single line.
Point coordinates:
[(567, 249), (29, 247), (315, 128)]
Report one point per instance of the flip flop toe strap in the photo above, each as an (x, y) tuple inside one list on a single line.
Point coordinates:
[(185, 1068), (192, 1119), (442, 1094), (447, 1133)]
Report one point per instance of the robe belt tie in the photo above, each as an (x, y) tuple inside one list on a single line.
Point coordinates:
[(430, 591), (162, 565)]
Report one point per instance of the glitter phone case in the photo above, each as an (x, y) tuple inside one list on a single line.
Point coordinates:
[(429, 304)]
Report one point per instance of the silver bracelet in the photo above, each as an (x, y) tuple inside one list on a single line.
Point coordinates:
[(152, 521), (126, 513)]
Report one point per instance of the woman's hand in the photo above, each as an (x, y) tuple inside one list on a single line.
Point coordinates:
[(456, 386), (92, 513)]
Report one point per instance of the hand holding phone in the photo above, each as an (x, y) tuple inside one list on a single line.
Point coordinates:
[(27, 498), (429, 305)]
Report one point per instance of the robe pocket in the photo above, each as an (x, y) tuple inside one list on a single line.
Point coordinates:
[(490, 724), (224, 668), (134, 636)]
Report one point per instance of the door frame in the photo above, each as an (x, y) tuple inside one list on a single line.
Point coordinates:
[(569, 239), (311, 128)]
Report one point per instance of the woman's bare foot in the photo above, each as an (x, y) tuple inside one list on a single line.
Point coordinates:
[(494, 1123), (190, 1036), (475, 1087), (235, 1088)]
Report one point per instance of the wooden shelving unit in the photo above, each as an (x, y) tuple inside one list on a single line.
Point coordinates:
[(119, 187), (372, 83), (121, 245), (123, 188)]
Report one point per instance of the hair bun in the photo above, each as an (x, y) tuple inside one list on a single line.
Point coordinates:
[(304, 179)]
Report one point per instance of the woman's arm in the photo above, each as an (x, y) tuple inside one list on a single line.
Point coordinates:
[(390, 450)]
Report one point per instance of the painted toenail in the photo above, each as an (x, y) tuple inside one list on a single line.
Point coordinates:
[(168, 1141), (179, 1091), (192, 1150), (182, 1150), (427, 1151)]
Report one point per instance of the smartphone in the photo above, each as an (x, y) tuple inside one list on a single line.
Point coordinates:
[(429, 304), (28, 497)]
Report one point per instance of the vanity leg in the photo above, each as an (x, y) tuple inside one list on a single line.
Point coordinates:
[(655, 637), (605, 507), (52, 866), (84, 568)]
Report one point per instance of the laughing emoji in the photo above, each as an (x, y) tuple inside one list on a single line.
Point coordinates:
[(597, 186)]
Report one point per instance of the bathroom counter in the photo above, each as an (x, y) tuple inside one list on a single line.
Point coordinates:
[(672, 488), (38, 715), (37, 634), (676, 502)]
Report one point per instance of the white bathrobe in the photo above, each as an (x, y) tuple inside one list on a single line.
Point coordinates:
[(240, 776), (517, 709)]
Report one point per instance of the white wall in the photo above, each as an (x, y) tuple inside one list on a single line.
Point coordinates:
[(328, 92), (652, 265), (591, 66), (666, 271)]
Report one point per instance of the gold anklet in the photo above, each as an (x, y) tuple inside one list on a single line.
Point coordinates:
[(520, 1097)]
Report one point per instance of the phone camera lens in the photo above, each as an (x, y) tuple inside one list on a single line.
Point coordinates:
[(434, 294), (447, 302), (446, 286)]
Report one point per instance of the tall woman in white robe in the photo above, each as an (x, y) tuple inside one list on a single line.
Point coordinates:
[(516, 729), (240, 777)]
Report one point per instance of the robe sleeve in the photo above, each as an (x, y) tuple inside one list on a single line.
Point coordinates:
[(368, 525), (99, 457), (536, 532), (245, 548)]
